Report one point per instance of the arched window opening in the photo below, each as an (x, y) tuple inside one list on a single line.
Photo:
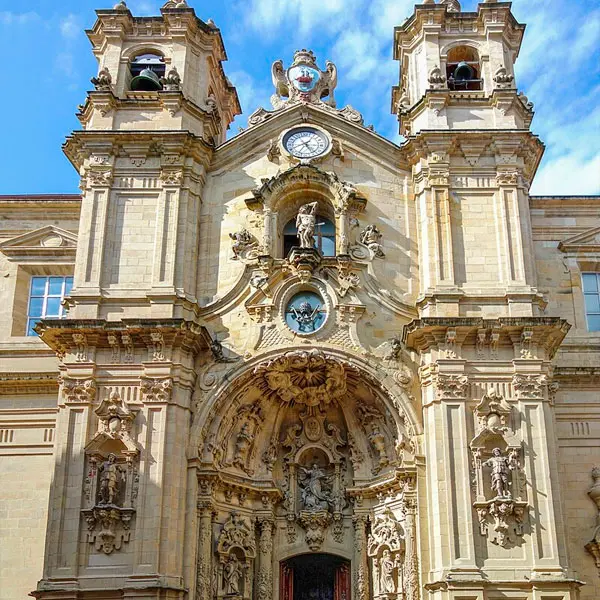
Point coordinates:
[(463, 70), (147, 70), (324, 236)]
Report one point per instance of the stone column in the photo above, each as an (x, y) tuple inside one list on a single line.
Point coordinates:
[(361, 565), (268, 232), (204, 560), (343, 240), (411, 563), (264, 581)]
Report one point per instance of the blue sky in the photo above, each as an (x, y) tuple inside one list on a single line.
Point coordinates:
[(48, 64)]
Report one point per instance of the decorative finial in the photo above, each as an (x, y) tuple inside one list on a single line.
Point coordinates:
[(451, 5), (103, 81), (120, 6)]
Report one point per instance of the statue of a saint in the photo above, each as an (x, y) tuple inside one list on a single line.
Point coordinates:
[(109, 480), (305, 224), (314, 483), (501, 467), (232, 573), (242, 445), (387, 585), (377, 440)]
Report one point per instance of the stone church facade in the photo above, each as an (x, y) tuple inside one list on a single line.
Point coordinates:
[(303, 362)]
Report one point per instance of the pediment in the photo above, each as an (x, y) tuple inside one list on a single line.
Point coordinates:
[(587, 241), (48, 242), (257, 139)]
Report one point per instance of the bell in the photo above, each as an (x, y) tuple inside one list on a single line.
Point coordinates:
[(146, 81), (463, 72)]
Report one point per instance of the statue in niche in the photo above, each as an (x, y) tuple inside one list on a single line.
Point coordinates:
[(377, 440), (501, 467), (242, 445), (387, 564), (370, 236), (315, 486), (232, 574), (110, 478), (305, 224)]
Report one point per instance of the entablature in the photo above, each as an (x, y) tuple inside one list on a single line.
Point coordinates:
[(526, 336)]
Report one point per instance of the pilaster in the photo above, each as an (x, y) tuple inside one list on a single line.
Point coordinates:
[(487, 394)]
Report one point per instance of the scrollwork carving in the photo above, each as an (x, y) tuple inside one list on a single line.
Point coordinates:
[(78, 390), (156, 390)]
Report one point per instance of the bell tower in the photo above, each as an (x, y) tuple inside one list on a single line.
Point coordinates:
[(159, 73), (456, 69), (160, 106), (473, 158)]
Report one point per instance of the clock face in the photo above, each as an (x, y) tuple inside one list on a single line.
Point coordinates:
[(305, 142)]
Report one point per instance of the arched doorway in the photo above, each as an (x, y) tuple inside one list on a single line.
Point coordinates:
[(315, 577)]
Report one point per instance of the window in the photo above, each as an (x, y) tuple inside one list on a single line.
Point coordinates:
[(324, 236), (45, 299), (462, 69), (146, 72), (591, 294)]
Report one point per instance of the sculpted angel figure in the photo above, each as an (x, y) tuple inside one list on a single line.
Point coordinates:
[(280, 83), (241, 240), (332, 72), (370, 236), (305, 224), (314, 483)]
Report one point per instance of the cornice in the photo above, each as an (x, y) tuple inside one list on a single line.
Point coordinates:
[(28, 383), (81, 144), (547, 332), (508, 144), (64, 335)]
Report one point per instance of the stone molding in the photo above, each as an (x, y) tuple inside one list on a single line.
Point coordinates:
[(545, 333), (154, 336)]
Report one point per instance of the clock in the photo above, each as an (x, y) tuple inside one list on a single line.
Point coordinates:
[(306, 142)]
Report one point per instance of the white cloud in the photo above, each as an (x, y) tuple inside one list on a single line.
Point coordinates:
[(65, 64), (357, 54), (568, 175), (70, 27), (300, 19), (387, 14), (11, 18)]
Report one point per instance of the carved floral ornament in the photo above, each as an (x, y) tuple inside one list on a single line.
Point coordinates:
[(77, 390)]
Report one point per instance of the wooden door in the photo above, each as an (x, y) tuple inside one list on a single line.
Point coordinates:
[(342, 582), (286, 582)]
